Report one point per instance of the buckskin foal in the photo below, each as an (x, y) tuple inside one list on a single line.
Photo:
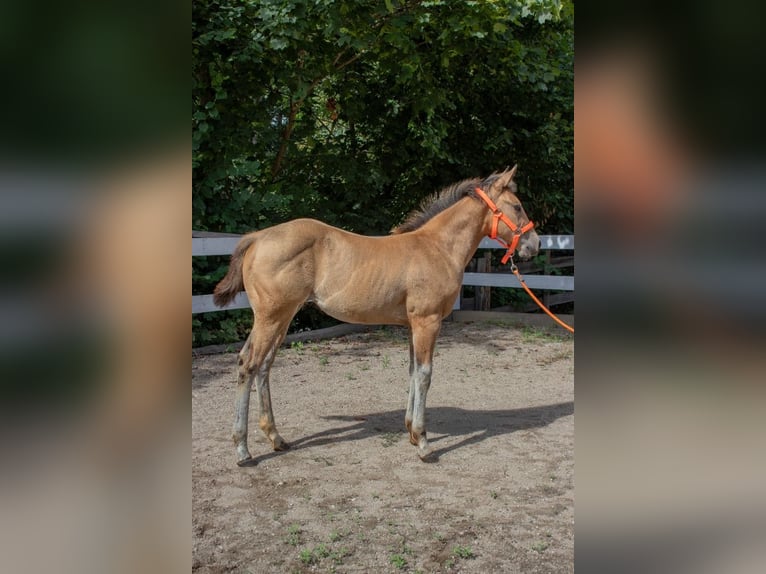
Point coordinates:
[(411, 277)]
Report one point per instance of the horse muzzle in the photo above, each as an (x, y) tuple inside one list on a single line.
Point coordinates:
[(529, 245)]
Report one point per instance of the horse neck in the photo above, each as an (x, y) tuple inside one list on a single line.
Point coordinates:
[(459, 229)]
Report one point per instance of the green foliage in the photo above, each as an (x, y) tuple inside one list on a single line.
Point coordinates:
[(294, 535), (463, 552), (307, 556), (398, 560), (352, 112), (315, 555)]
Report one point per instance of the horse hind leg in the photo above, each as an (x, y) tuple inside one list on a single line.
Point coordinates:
[(270, 332), (266, 416), (245, 376), (255, 362)]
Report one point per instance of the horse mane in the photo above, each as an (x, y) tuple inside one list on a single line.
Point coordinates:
[(432, 205)]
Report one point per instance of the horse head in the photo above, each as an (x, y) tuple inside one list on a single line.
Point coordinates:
[(502, 190)]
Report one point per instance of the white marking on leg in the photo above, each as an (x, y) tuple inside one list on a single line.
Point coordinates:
[(422, 382), (241, 411), (411, 392)]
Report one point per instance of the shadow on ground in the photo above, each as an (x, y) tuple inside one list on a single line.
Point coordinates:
[(475, 425)]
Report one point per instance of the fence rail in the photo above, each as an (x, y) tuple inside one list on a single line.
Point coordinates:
[(206, 244)]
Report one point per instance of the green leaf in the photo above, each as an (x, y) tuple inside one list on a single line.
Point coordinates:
[(278, 43)]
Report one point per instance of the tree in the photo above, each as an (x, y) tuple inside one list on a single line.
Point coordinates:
[(351, 112)]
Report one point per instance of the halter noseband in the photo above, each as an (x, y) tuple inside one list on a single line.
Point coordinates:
[(498, 216)]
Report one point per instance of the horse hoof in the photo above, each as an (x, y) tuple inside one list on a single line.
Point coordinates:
[(427, 455), (281, 445), (249, 461)]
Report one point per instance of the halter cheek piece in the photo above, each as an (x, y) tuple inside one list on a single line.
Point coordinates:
[(498, 216)]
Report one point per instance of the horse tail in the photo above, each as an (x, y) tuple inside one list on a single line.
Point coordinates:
[(233, 282)]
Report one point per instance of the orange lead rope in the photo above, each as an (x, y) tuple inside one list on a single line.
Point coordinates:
[(536, 300)]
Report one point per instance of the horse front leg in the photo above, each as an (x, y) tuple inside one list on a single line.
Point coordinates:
[(424, 333)]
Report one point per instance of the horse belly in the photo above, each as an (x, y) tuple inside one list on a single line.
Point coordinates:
[(371, 305)]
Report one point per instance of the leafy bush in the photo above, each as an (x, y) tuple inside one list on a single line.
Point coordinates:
[(352, 112)]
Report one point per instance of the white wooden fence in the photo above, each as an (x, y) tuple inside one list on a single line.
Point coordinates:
[(204, 244)]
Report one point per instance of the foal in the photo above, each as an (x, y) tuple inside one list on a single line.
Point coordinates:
[(411, 277)]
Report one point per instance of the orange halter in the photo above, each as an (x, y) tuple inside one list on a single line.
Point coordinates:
[(498, 216)]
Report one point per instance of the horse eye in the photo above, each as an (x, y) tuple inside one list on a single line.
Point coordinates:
[(517, 207)]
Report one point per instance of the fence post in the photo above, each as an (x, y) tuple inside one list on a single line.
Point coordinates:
[(483, 300)]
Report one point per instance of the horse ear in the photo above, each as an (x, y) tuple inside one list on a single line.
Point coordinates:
[(506, 177)]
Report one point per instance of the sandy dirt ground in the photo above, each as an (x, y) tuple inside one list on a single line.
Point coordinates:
[(352, 496)]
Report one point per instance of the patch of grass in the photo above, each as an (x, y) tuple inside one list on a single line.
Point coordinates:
[(293, 535), (501, 323), (439, 536), (335, 536), (324, 360), (531, 334), (463, 552), (398, 560), (493, 494), (351, 376), (540, 546), (386, 361), (320, 551), (308, 557), (297, 346)]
